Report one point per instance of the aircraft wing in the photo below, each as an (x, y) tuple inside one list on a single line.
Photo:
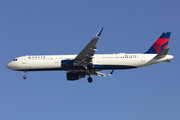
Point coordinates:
[(102, 74), (84, 58)]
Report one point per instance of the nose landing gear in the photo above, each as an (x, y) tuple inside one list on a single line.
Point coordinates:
[(24, 76)]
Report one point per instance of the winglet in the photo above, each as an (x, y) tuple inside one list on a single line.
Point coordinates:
[(111, 73), (99, 33)]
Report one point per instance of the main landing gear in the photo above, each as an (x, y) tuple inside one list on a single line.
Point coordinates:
[(88, 71), (90, 79), (24, 76)]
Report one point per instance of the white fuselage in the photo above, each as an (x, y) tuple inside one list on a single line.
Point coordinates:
[(100, 61)]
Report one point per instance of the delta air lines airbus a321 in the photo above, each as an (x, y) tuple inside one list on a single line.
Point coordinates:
[(88, 63)]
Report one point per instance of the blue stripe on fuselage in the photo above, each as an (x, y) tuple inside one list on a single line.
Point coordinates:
[(96, 67)]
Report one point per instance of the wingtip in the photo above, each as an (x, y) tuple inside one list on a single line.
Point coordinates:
[(111, 72), (99, 33)]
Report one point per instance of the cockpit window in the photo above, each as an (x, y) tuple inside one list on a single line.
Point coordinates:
[(15, 60)]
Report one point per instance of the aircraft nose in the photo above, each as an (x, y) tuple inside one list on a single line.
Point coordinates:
[(10, 66)]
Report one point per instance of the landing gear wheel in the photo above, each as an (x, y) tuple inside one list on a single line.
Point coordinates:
[(90, 79), (24, 77)]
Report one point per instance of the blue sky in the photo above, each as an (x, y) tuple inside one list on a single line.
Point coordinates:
[(65, 27)]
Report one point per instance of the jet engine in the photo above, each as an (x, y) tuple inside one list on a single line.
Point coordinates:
[(74, 75)]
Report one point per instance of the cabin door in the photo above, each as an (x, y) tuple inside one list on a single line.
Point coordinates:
[(56, 60), (143, 58)]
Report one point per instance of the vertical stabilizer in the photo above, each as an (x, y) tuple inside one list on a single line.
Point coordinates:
[(160, 44)]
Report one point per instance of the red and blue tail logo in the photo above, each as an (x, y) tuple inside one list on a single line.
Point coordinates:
[(160, 44)]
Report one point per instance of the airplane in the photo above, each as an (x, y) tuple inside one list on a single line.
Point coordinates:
[(87, 63)]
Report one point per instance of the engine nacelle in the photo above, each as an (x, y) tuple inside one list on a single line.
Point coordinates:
[(74, 75)]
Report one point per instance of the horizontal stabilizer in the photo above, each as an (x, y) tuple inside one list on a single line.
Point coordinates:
[(168, 61), (162, 54)]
